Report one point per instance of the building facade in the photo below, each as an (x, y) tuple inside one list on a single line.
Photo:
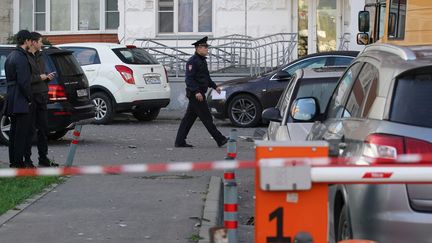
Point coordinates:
[(6, 19), (321, 24)]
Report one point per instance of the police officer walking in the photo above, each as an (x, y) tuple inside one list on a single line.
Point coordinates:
[(18, 77), (38, 109), (197, 82)]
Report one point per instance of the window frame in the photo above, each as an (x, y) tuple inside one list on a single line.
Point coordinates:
[(176, 20), (397, 35), (74, 12)]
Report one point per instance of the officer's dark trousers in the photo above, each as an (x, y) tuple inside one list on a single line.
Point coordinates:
[(197, 109), (38, 111), (18, 137)]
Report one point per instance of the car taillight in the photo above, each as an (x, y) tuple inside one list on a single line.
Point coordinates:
[(385, 148), (126, 73), (56, 92), (166, 74)]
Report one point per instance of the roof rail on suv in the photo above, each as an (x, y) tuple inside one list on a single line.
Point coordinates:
[(403, 52)]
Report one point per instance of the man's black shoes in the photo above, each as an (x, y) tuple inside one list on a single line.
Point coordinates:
[(45, 162), (183, 145), (223, 142)]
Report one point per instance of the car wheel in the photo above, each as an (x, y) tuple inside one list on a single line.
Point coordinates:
[(5, 126), (146, 114), (244, 111), (57, 134), (344, 231), (104, 108)]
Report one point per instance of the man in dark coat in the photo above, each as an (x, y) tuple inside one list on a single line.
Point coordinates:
[(38, 108), (18, 76), (197, 82)]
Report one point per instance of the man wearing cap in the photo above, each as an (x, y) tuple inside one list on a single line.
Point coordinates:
[(197, 82), (18, 76)]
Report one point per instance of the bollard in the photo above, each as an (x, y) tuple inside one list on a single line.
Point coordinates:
[(73, 146), (230, 191)]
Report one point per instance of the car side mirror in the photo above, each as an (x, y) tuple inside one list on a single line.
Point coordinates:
[(282, 75), (272, 114), (363, 21), (305, 109), (362, 38)]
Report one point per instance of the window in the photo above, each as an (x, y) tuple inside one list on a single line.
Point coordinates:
[(342, 61), (85, 56), (68, 15), (60, 15), (3, 56), (88, 14), (337, 103), (25, 15), (185, 16), (306, 63), (363, 92), (320, 88), (134, 56), (67, 65), (39, 15), (412, 98), (396, 21), (111, 14)]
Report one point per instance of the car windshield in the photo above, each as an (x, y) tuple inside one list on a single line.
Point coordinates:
[(66, 64), (135, 56), (412, 99)]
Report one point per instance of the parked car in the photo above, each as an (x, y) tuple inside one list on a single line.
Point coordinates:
[(69, 93), (316, 82), (246, 98), (380, 109), (122, 78)]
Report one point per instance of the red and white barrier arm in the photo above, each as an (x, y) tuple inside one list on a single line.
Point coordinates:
[(412, 168), (130, 168)]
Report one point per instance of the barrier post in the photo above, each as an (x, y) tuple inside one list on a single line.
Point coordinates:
[(73, 146), (230, 191), (285, 210)]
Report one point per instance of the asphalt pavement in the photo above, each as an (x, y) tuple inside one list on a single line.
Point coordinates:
[(165, 207)]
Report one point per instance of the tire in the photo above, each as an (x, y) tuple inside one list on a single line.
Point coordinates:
[(146, 114), (5, 125), (244, 111), (344, 229), (104, 108), (56, 135)]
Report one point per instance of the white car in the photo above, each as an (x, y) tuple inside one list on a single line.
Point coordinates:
[(122, 78)]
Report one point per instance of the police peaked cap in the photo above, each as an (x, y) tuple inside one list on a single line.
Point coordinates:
[(201, 42)]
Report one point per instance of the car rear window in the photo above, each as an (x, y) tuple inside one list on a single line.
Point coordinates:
[(412, 99), (66, 64), (135, 56)]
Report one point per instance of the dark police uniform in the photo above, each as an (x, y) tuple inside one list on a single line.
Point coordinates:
[(198, 81), (18, 76)]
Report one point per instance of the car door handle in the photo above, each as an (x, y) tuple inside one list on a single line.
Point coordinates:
[(90, 70)]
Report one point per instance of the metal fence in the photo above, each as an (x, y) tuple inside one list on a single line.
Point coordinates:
[(232, 55)]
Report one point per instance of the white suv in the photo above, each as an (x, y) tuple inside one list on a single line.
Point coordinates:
[(122, 78)]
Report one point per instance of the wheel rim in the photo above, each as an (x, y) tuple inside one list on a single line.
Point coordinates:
[(5, 126), (243, 111), (101, 108)]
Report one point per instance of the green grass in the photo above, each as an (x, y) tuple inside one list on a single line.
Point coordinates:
[(14, 191)]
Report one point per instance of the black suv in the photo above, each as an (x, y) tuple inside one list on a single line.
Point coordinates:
[(69, 94)]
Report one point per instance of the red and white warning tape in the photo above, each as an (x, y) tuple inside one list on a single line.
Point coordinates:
[(408, 168)]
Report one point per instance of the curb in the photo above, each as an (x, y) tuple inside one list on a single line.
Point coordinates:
[(10, 214), (212, 209)]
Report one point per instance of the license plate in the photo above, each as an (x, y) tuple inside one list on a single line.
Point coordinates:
[(152, 80), (82, 92)]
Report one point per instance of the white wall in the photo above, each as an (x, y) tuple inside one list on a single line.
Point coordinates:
[(352, 7), (137, 19)]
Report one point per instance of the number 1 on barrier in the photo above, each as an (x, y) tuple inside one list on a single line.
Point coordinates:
[(278, 214)]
